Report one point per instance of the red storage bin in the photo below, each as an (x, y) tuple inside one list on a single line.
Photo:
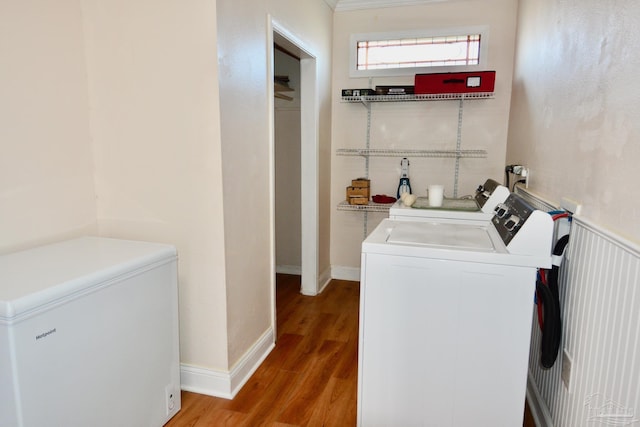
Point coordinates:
[(481, 81)]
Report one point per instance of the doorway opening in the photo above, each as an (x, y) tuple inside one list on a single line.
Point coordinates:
[(307, 156), (287, 154)]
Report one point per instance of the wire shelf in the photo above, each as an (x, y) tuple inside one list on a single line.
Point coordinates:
[(418, 97), (371, 207), (389, 152), (367, 152)]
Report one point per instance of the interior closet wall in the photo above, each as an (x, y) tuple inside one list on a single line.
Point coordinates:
[(287, 158)]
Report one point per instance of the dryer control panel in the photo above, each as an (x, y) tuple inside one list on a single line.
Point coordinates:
[(523, 229), (510, 215), (490, 194), (484, 191)]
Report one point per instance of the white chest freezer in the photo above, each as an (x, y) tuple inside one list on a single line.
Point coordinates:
[(89, 335)]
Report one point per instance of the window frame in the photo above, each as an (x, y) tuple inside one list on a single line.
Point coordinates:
[(483, 30)]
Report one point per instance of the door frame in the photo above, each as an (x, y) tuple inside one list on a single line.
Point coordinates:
[(309, 154)]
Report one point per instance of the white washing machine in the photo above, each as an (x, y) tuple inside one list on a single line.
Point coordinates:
[(480, 207), (445, 318)]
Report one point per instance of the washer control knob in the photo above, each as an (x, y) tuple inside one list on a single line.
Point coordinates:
[(501, 210), (512, 222)]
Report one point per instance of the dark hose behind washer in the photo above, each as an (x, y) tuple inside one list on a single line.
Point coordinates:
[(549, 297)]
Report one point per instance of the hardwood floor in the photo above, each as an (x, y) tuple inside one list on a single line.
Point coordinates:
[(310, 377)]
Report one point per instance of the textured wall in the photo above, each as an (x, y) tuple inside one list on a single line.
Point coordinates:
[(575, 111), (575, 121), (47, 187)]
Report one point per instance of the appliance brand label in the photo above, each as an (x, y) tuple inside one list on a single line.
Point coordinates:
[(46, 334)]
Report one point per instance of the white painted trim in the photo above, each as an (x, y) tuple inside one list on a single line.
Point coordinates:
[(272, 171), (539, 409), (226, 384), (247, 365), (331, 3), (205, 381), (628, 245), (309, 155), (345, 5), (345, 273), (324, 279)]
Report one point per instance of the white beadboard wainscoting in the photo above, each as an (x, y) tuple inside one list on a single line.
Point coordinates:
[(600, 301)]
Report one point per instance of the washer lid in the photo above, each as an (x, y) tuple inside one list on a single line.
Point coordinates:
[(444, 235), (446, 239), (462, 205), (463, 209)]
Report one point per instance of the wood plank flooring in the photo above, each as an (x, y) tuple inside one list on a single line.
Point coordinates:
[(310, 377)]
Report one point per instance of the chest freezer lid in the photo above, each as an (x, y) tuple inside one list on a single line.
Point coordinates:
[(38, 276)]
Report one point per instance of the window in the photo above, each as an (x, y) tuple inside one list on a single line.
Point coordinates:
[(389, 54), (419, 52)]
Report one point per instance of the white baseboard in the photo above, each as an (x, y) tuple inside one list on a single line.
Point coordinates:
[(324, 279), (205, 381), (289, 269), (345, 273), (226, 384), (539, 409)]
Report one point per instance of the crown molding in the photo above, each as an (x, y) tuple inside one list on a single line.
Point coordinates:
[(345, 5), (331, 3)]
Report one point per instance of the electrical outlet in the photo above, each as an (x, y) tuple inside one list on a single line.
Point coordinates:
[(566, 368), (170, 398), (571, 205)]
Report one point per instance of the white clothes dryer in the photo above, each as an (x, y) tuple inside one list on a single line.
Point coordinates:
[(445, 318), (480, 207)]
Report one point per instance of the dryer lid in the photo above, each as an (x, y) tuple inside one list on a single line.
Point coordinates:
[(442, 235)]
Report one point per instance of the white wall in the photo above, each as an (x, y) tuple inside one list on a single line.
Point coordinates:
[(154, 120), (575, 121), (110, 124), (288, 168), (423, 125), (46, 166), (575, 116), (246, 150)]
